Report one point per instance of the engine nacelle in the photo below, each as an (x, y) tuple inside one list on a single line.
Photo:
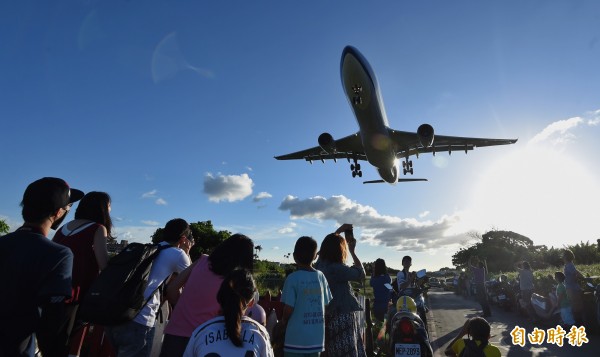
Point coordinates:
[(327, 143), (425, 134)]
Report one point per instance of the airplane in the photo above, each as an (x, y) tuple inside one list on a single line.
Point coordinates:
[(376, 142)]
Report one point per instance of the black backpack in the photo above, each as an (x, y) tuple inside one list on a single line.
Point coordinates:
[(117, 294), (472, 350)]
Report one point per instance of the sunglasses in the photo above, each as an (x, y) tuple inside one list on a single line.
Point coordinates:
[(190, 237)]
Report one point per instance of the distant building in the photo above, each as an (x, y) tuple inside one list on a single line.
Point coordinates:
[(115, 248)]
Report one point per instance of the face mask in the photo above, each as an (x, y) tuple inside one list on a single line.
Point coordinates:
[(59, 221)]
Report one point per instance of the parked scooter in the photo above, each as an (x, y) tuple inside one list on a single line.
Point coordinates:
[(591, 305), (519, 304), (546, 308)]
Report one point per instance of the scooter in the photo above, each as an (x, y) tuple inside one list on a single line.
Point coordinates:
[(416, 292), (504, 294), (408, 336), (519, 304), (546, 308)]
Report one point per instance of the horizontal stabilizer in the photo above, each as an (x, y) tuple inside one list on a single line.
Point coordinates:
[(399, 180)]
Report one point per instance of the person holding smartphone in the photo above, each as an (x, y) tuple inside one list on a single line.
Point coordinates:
[(342, 330)]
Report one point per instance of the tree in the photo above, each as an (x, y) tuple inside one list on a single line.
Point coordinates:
[(500, 249), (205, 236), (4, 228)]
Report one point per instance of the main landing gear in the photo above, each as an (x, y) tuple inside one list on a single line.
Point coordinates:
[(407, 166), (355, 167)]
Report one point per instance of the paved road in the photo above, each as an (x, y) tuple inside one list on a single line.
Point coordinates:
[(449, 312)]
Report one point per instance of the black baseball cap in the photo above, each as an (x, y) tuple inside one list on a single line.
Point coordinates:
[(50, 193)]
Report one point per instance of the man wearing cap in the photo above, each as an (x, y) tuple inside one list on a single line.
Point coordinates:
[(36, 273)]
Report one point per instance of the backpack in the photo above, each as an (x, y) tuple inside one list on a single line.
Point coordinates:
[(117, 294), (472, 350)]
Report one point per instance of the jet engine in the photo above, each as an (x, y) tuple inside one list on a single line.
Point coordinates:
[(425, 134), (327, 143)]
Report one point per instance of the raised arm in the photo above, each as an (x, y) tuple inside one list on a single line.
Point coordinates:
[(174, 286), (349, 235), (463, 331)]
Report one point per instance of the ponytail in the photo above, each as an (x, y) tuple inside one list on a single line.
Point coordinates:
[(236, 291)]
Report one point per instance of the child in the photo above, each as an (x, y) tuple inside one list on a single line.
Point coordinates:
[(305, 295), (563, 301), (232, 334), (479, 330)]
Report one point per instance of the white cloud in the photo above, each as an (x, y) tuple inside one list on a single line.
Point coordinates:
[(262, 196), (160, 202), (150, 194), (557, 132), (248, 168), (288, 229), (594, 118), (150, 223), (139, 234), (228, 188), (423, 214), (276, 248), (390, 231)]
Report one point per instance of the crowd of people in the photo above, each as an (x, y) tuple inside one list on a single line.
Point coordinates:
[(212, 298)]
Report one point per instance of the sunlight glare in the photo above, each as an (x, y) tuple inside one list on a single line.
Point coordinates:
[(539, 192)]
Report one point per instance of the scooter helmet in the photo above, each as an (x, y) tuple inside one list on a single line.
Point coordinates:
[(407, 304)]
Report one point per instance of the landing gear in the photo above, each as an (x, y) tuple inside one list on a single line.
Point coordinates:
[(357, 90), (355, 168), (407, 166)]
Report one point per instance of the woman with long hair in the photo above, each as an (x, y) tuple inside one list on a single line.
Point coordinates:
[(200, 283), (231, 333), (342, 332), (86, 236), (382, 293)]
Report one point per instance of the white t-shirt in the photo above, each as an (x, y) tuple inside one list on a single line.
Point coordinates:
[(401, 278), (211, 338), (169, 261)]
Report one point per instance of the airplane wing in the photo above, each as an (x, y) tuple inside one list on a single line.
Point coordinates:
[(408, 143), (349, 147)]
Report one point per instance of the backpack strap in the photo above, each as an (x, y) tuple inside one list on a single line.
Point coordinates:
[(472, 345), (80, 228), (160, 248)]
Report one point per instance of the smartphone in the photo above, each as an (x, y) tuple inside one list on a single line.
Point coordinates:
[(389, 286)]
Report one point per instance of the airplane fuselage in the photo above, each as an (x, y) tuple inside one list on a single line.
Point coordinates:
[(362, 91)]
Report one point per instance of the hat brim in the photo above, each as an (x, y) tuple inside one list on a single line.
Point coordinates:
[(76, 195)]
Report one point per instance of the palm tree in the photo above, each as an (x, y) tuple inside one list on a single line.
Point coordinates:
[(258, 248)]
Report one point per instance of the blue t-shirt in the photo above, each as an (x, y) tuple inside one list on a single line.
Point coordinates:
[(382, 294), (308, 293)]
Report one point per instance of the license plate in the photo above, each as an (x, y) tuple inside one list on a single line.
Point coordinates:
[(501, 297), (404, 349)]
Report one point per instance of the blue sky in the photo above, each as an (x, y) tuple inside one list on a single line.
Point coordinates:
[(176, 109)]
